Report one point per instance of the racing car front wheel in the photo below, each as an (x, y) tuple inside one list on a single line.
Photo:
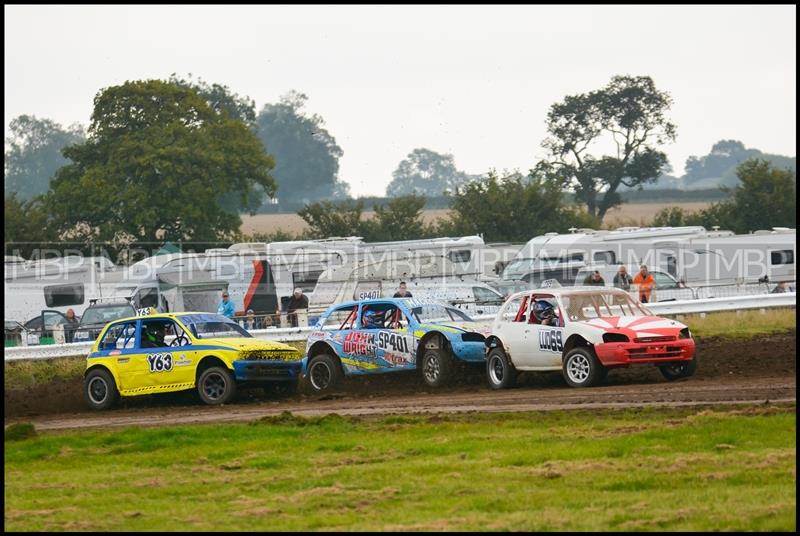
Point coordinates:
[(216, 385), (681, 369), (436, 367), (500, 370), (581, 368), (99, 389), (323, 374)]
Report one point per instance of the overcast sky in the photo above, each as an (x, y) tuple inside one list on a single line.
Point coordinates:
[(473, 81)]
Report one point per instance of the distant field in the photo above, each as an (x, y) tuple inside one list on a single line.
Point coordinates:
[(628, 214)]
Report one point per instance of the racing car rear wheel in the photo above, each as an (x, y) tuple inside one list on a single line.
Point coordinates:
[(323, 374), (99, 389), (436, 367), (500, 370), (581, 368), (216, 385), (681, 369)]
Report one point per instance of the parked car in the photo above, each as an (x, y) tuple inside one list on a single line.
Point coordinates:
[(39, 329), (173, 352), (98, 314), (594, 329), (388, 335)]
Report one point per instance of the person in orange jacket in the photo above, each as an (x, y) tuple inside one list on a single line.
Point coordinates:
[(645, 281)]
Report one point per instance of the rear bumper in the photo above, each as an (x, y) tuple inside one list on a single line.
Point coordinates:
[(627, 353), (266, 370)]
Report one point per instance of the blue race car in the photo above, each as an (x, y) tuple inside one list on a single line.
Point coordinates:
[(385, 335)]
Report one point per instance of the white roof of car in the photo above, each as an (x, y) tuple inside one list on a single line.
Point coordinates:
[(563, 291)]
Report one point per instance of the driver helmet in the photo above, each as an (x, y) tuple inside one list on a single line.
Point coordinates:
[(155, 332), (543, 310), (372, 319)]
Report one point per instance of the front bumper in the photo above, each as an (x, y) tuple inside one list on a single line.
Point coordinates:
[(252, 370), (627, 353)]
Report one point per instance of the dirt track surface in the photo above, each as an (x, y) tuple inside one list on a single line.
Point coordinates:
[(757, 370)]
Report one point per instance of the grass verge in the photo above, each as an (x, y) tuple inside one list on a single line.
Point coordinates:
[(738, 325), (621, 470)]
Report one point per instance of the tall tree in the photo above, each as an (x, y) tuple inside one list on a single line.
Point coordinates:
[(511, 208), (426, 172), (156, 162), (306, 154), (33, 154), (629, 114)]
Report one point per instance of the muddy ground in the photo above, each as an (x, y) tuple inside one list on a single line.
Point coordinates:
[(758, 369)]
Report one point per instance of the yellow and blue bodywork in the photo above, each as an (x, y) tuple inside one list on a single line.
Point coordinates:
[(175, 366), (393, 345)]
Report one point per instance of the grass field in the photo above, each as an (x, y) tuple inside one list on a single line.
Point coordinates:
[(628, 214), (746, 324), (621, 470)]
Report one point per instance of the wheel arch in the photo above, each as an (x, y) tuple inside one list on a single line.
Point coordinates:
[(433, 340), (102, 367), (322, 347), (574, 341), (207, 362)]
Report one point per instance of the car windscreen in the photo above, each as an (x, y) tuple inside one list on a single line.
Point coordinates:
[(433, 312), (105, 314), (583, 306), (210, 325)]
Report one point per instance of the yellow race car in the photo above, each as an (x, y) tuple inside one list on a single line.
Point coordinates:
[(173, 352)]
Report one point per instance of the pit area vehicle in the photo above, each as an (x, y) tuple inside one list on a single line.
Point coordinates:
[(591, 331), (173, 352), (389, 335)]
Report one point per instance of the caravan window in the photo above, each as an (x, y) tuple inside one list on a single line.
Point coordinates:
[(605, 257), (306, 280), (147, 297), (61, 295), (462, 255), (784, 256)]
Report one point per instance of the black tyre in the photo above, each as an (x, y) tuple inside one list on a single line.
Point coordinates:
[(436, 367), (500, 370), (216, 385), (100, 389), (581, 368), (679, 370), (323, 374)]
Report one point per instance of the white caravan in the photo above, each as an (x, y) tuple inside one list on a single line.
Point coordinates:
[(428, 277), (55, 284)]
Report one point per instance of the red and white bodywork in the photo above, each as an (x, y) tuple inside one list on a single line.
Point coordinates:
[(620, 330)]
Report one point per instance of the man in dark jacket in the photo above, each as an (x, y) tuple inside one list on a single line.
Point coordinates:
[(594, 279), (402, 291), (297, 301)]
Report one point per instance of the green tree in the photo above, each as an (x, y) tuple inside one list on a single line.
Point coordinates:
[(511, 208), (223, 101), (629, 114), (220, 98), (156, 162), (764, 198), (24, 225), (306, 154), (427, 173), (399, 219), (33, 154), (327, 219)]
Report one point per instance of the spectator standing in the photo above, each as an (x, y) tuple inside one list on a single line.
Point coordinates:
[(70, 326), (645, 281), (296, 302), (225, 307), (623, 279), (402, 291), (594, 279)]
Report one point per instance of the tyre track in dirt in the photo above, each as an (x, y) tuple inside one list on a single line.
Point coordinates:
[(753, 371), (771, 390)]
